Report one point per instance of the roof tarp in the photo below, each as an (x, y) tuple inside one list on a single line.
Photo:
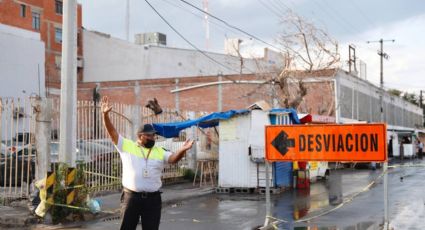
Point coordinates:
[(168, 130)]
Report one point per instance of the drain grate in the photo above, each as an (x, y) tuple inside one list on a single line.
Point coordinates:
[(112, 218)]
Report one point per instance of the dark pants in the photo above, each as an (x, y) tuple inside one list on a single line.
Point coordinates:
[(136, 206)]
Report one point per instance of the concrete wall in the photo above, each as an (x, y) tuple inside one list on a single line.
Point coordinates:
[(359, 100), (21, 62), (111, 59)]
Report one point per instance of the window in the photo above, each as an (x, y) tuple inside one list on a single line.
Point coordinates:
[(36, 20), (58, 7), (58, 35), (23, 10), (58, 61)]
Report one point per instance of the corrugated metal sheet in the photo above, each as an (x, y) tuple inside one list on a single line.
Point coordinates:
[(282, 172)]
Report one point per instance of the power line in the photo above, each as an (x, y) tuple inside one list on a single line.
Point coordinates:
[(277, 6), (223, 29), (284, 4), (325, 10), (189, 42), (329, 6), (365, 17), (277, 14), (229, 25)]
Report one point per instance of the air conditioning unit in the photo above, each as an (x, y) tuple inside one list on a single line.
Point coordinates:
[(151, 39)]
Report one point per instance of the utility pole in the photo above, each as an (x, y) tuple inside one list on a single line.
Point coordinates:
[(127, 20), (68, 104), (381, 101), (422, 108)]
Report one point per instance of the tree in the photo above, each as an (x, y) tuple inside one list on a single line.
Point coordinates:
[(395, 92), (411, 97), (304, 49)]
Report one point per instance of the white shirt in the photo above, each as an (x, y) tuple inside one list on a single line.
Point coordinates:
[(139, 173)]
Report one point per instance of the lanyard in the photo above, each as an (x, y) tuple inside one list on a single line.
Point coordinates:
[(146, 157)]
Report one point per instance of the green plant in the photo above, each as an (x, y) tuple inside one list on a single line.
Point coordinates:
[(188, 174)]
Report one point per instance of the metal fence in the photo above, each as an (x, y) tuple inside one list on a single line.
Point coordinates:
[(94, 148), (17, 158), (96, 151)]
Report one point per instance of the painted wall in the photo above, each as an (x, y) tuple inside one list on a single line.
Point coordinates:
[(21, 62), (112, 59), (359, 100)]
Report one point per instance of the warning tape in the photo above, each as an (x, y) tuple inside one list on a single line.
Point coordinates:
[(102, 175), (79, 208)]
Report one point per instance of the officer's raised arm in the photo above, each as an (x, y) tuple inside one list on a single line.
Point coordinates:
[(106, 108), (177, 156)]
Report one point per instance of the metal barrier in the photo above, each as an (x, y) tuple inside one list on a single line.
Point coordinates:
[(17, 155), (94, 148), (98, 154)]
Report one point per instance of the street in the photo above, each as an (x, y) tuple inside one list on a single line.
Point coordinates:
[(365, 211), (182, 109)]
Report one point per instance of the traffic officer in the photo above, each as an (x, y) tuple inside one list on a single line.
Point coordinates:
[(142, 165)]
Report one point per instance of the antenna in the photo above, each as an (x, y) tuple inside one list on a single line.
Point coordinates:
[(207, 25)]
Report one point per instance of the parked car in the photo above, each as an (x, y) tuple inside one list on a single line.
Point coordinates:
[(17, 164), (87, 151)]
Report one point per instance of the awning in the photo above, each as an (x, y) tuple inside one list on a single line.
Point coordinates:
[(168, 130), (173, 129)]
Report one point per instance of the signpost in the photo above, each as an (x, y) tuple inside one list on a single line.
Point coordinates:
[(352, 142), (331, 142)]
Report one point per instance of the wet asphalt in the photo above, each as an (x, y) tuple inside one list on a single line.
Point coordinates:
[(327, 204)]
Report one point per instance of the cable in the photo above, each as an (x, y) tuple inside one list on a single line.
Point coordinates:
[(284, 4), (329, 6), (365, 17), (229, 25), (223, 29), (189, 42), (280, 5), (279, 16)]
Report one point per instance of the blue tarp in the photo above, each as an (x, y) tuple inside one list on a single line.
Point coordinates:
[(173, 129), (168, 130)]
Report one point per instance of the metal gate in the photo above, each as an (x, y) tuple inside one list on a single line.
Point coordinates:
[(17, 155), (94, 148), (96, 151)]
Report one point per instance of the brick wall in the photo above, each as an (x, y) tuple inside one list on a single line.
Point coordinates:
[(319, 98)]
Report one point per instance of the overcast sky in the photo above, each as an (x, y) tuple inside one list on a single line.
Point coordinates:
[(348, 21)]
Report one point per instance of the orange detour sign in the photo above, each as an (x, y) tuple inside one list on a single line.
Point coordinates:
[(353, 142)]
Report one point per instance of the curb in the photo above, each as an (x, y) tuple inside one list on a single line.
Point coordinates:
[(16, 217), (104, 217)]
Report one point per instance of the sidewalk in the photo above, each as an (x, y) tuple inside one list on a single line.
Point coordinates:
[(171, 194), (110, 204), (19, 217)]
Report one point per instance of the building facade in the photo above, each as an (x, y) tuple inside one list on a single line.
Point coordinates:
[(185, 79), (21, 63), (44, 17)]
